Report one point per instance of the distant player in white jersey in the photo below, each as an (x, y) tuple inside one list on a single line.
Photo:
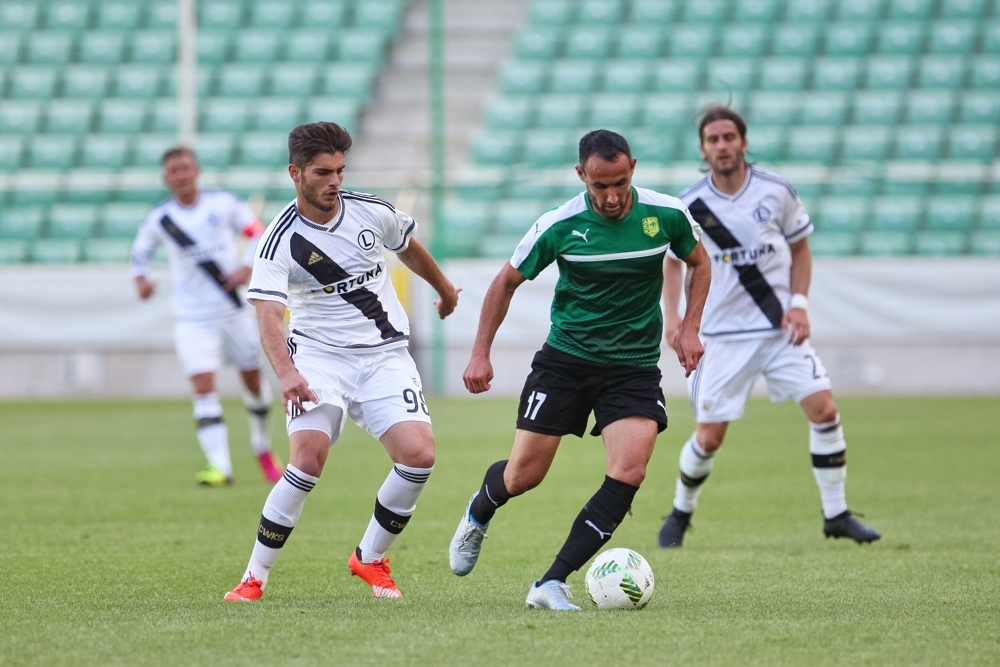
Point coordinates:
[(755, 323), (345, 355), (199, 229)]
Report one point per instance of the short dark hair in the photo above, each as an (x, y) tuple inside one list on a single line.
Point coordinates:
[(177, 151), (606, 144), (307, 141), (719, 112)]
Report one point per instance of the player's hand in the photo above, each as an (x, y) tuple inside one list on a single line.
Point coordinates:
[(145, 287), (670, 329), (795, 324), (478, 374), (240, 276), (448, 301), (689, 349), (295, 391)]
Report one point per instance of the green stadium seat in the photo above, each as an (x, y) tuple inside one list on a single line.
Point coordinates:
[(889, 72), (213, 46), (526, 185), (560, 111), (264, 149), (36, 83), (833, 244), (953, 214), (67, 15), (953, 37), (308, 46), (836, 73), (930, 107), (919, 10), (744, 40), (479, 183), (552, 12), (812, 144), (775, 109), (13, 252), (972, 143), (639, 41), (215, 151), (54, 153), (164, 116), (600, 12), (11, 150), (49, 48), (340, 110), (788, 74), (901, 38), (511, 113), (573, 76), (859, 10), (220, 14), (324, 14), (626, 76), (276, 114), (652, 12), (986, 73), (464, 223), (24, 197), (353, 80), (122, 116), (20, 117), (691, 41), (524, 78), (69, 117), (941, 244), (86, 81), (121, 15), (107, 251), (538, 43), (21, 16), (677, 76), (942, 72), (963, 9), (498, 246), (382, 15), (361, 45), (149, 149), (795, 40), (22, 224), (10, 48), (105, 152), (757, 11), (990, 219), (613, 111), (653, 147), (886, 244), (162, 14), (853, 182), (122, 221), (258, 46), (294, 80), (588, 43), (731, 74), (991, 37), (826, 108), (500, 148), (671, 112), (516, 217), (241, 80), (848, 39), (733, 100), (918, 142), (865, 143), (873, 107), (55, 251), (225, 115), (72, 221), (273, 14), (138, 81), (106, 48), (704, 11), (549, 148), (767, 144), (844, 214), (802, 11), (153, 47), (985, 243), (896, 214)]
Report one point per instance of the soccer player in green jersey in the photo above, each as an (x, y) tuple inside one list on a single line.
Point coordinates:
[(609, 243)]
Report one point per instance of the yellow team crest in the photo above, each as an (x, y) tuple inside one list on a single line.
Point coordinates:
[(650, 226)]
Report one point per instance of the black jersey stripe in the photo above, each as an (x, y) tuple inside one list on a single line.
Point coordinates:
[(367, 196), (270, 245), (750, 276), (406, 237), (374, 200), (208, 266)]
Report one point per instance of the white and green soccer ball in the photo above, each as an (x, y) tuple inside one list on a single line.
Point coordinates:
[(620, 579)]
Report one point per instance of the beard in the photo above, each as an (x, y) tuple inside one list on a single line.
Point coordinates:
[(312, 195)]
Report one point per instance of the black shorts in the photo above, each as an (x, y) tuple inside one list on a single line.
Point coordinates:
[(562, 389)]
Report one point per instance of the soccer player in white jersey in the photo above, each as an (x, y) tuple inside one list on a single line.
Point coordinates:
[(756, 231), (322, 258), (199, 227)]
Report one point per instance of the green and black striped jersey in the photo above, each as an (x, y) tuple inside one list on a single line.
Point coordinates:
[(606, 307)]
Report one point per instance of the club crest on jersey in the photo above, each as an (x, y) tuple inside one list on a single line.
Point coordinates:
[(650, 226), (366, 239), (761, 215), (315, 257)]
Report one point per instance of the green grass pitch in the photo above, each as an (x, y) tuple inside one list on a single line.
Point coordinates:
[(111, 555)]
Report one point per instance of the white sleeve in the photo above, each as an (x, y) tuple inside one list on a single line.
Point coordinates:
[(145, 245), (269, 280), (399, 229), (795, 222)]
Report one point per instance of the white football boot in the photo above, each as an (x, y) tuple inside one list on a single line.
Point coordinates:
[(467, 543), (551, 595)]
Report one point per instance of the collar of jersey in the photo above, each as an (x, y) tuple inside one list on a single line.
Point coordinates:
[(743, 188), (597, 216), (327, 227)]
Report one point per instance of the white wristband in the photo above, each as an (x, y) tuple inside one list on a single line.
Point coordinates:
[(799, 301)]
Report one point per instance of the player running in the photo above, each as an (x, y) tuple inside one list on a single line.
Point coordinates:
[(199, 227), (756, 232), (346, 356), (601, 354)]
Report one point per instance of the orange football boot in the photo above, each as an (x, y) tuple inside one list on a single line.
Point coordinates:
[(250, 589), (377, 575)]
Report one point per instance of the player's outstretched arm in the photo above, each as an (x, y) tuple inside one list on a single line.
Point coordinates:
[(294, 388), (417, 259), (795, 322), (479, 373), (687, 345), (673, 282)]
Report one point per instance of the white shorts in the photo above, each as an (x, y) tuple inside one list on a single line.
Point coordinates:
[(720, 386), (202, 345), (375, 389)]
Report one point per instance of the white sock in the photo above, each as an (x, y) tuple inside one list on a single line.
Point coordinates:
[(282, 510), (258, 405), (213, 436), (395, 503), (829, 455), (695, 466)]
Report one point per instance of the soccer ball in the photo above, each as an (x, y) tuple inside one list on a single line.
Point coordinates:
[(620, 579)]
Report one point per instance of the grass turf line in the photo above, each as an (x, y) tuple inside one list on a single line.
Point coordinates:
[(113, 556)]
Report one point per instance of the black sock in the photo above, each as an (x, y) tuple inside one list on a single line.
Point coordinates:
[(492, 494), (592, 528)]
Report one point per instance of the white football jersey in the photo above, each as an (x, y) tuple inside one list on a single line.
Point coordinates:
[(333, 277), (747, 236), (201, 245)]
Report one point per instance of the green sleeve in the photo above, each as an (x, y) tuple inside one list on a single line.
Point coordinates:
[(533, 254), (680, 233)]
